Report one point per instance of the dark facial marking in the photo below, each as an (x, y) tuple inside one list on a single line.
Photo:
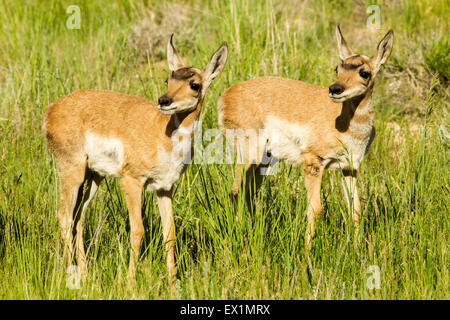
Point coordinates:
[(351, 66), (183, 74), (352, 63)]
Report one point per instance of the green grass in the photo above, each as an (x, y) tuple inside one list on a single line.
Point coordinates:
[(438, 59), (404, 182)]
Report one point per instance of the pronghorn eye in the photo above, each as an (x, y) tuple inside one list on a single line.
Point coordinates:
[(364, 74), (194, 86), (167, 80), (335, 69)]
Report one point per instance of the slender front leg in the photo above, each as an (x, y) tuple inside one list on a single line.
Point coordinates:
[(313, 180), (132, 189), (351, 195), (168, 228)]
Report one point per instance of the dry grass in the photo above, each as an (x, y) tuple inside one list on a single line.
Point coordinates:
[(149, 36)]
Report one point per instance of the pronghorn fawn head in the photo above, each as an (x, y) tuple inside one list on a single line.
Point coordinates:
[(186, 86), (356, 73)]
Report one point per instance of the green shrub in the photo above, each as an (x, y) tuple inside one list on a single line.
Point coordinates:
[(437, 59)]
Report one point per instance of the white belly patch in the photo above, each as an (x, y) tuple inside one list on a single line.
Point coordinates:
[(286, 140), (105, 155)]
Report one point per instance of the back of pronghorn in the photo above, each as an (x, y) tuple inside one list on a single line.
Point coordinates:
[(320, 128)]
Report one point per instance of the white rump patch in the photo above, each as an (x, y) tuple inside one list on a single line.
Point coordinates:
[(105, 155)]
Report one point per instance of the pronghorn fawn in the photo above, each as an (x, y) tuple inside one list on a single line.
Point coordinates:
[(320, 128), (95, 134)]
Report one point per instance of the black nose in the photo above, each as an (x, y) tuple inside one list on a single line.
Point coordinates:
[(165, 100), (336, 88)]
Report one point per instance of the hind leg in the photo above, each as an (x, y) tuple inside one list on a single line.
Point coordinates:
[(250, 155), (255, 176), (252, 183), (86, 192), (249, 174), (71, 176), (254, 179), (238, 179)]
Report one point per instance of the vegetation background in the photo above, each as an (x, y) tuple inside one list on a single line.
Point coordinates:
[(120, 46)]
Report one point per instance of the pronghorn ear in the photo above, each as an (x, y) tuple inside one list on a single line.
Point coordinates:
[(384, 50), (173, 59), (215, 65), (344, 49)]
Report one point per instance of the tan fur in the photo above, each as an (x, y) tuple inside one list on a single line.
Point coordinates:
[(310, 126), (94, 133)]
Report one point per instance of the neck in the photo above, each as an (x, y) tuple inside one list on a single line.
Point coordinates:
[(356, 111), (185, 121)]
